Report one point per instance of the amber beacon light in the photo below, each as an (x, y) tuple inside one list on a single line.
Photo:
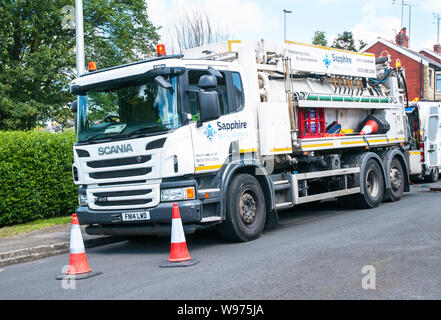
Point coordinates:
[(160, 49), (92, 66)]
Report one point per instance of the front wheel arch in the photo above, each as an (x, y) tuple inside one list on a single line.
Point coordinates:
[(246, 210), (254, 169)]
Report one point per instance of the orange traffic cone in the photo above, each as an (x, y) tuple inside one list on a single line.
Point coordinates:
[(179, 256), (370, 127), (78, 265)]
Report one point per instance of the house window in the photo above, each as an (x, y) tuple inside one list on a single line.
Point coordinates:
[(438, 82)]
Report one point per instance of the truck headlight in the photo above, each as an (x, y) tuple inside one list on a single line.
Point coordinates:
[(82, 199), (177, 194)]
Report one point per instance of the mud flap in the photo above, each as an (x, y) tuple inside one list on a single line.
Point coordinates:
[(272, 220)]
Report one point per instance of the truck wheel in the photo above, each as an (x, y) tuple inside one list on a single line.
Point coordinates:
[(433, 176), (373, 186), (246, 211), (396, 184)]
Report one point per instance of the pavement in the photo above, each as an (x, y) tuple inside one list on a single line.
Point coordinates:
[(44, 243)]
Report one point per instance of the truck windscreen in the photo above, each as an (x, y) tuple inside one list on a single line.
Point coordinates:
[(142, 107)]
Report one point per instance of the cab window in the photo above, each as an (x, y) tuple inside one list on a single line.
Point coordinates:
[(238, 94), (193, 80)]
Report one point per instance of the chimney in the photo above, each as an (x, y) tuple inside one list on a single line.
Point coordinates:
[(402, 39), (437, 48)]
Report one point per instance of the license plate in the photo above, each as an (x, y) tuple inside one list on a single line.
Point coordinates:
[(136, 216)]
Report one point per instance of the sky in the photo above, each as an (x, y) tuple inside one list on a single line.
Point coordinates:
[(254, 19)]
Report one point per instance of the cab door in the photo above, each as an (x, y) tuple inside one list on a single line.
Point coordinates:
[(433, 144), (214, 141)]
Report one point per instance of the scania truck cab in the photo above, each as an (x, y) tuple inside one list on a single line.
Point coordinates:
[(234, 133), (143, 143)]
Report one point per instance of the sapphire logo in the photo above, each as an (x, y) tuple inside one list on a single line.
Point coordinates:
[(341, 59), (327, 61), (210, 132), (231, 125)]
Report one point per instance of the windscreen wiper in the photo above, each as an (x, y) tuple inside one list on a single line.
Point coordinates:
[(146, 128), (106, 135)]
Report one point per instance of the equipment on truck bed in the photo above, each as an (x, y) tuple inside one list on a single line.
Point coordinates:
[(374, 124)]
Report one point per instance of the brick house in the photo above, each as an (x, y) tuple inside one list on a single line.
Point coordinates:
[(436, 56), (422, 69)]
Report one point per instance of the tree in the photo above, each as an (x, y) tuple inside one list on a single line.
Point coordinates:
[(345, 41), (118, 32), (319, 39), (195, 28), (37, 55), (362, 44)]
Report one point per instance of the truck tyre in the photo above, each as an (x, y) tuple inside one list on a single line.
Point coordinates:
[(246, 211), (433, 176), (373, 186), (396, 182)]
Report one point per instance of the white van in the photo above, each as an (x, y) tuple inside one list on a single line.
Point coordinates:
[(425, 130)]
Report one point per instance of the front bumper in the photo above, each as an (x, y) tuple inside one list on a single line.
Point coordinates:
[(190, 210)]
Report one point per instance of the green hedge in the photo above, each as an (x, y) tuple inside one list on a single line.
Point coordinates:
[(36, 176)]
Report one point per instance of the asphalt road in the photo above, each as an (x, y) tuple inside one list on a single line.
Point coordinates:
[(318, 252)]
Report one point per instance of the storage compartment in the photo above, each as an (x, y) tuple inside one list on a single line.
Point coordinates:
[(274, 128), (312, 122)]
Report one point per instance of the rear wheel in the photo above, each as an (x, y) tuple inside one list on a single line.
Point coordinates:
[(246, 212), (373, 186), (396, 182)]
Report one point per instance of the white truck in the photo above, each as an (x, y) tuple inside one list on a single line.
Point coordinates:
[(425, 143), (234, 133)]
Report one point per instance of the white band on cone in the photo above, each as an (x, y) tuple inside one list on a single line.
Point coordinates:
[(76, 240), (367, 130), (177, 235)]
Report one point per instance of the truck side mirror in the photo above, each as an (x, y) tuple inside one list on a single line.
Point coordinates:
[(209, 106), (208, 99), (207, 82), (74, 106)]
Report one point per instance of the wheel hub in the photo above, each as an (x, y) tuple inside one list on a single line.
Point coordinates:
[(395, 179), (372, 183), (248, 207)]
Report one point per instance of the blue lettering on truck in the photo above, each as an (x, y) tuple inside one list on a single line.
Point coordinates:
[(231, 125), (341, 59)]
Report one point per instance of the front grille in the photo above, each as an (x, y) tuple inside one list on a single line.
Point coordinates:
[(123, 203), (118, 162), (122, 193), (123, 183), (120, 183), (120, 173), (124, 197)]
